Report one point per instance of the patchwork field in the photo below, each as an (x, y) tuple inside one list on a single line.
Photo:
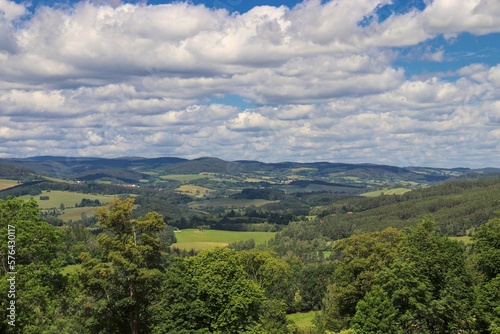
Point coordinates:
[(395, 191), (69, 199), (194, 191), (206, 239), (4, 184)]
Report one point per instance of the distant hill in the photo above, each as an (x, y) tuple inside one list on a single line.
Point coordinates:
[(9, 170), (339, 174)]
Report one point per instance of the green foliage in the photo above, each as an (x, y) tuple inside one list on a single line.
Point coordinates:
[(38, 281), (359, 259), (207, 293), (375, 314), (487, 248), (456, 206), (121, 283), (428, 284), (488, 306)]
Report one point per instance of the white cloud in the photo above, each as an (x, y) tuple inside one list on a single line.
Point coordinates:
[(113, 79)]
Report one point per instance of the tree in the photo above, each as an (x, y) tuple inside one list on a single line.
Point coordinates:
[(121, 283), (38, 285), (428, 284), (358, 260), (488, 306), (208, 293), (375, 314), (486, 248), (486, 255)]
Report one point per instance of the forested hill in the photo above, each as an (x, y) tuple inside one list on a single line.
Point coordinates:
[(87, 167), (457, 206)]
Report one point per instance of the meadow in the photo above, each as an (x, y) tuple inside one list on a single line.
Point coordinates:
[(394, 191), (4, 183), (69, 199), (199, 240), (303, 320), (194, 191)]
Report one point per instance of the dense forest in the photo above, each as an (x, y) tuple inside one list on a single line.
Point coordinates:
[(413, 279)]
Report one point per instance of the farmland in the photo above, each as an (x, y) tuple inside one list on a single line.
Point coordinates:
[(395, 191), (4, 184), (69, 199), (206, 239)]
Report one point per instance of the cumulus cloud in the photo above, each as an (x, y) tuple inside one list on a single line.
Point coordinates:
[(104, 78)]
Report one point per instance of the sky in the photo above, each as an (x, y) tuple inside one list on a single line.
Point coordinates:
[(405, 83)]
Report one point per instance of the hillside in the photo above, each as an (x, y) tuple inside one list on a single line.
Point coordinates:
[(457, 206)]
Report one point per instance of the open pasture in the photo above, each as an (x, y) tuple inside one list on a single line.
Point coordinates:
[(206, 239), (4, 183), (194, 191), (69, 199), (303, 320), (395, 191), (75, 214)]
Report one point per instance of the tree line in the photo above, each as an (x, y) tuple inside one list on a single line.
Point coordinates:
[(412, 280)]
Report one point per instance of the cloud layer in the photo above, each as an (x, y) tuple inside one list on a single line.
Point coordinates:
[(116, 80)]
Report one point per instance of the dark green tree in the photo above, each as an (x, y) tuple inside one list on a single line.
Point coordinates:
[(121, 283), (358, 260), (375, 314), (208, 293), (38, 285)]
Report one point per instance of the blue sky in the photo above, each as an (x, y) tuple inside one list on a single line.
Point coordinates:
[(414, 82)]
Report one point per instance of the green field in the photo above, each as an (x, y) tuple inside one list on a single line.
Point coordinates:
[(465, 239), (75, 214), (395, 191), (194, 191), (200, 240), (302, 320), (229, 203), (4, 184), (69, 199)]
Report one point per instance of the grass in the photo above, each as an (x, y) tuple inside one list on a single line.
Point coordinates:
[(70, 269), (465, 239), (75, 214), (4, 183), (302, 320), (207, 239), (229, 203), (395, 191), (194, 191), (69, 199)]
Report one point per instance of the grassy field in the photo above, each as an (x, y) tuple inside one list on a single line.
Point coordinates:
[(229, 203), (395, 191), (4, 183), (193, 191), (302, 320), (75, 214), (69, 199), (465, 239), (200, 240)]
